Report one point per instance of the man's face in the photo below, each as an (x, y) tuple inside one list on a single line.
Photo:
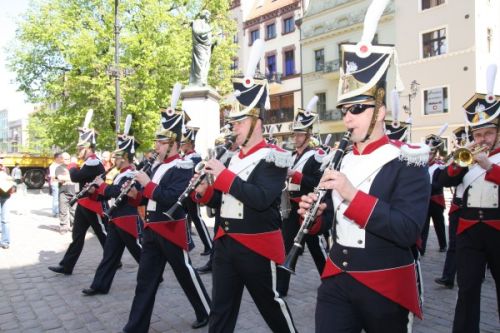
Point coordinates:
[(358, 118), (241, 129), (106, 156), (486, 137), (161, 147), (66, 159), (119, 160), (300, 139)]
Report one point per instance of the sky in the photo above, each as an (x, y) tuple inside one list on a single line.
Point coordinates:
[(10, 99)]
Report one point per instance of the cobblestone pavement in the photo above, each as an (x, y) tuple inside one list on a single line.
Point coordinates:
[(34, 299)]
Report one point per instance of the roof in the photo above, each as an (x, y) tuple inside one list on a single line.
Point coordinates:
[(261, 7)]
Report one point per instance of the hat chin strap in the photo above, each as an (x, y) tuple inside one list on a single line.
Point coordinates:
[(378, 103), (250, 132)]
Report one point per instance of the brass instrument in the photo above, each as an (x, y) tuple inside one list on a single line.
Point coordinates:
[(464, 157)]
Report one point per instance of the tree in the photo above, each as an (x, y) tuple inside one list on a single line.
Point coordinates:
[(64, 48)]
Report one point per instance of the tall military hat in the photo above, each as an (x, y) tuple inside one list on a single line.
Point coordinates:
[(305, 118), (126, 142), (462, 136), (435, 141), (172, 119), (398, 133), (87, 136), (189, 134), (251, 91), (482, 110)]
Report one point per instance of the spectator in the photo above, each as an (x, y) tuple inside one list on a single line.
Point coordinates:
[(66, 192), (7, 187), (17, 174), (54, 184), (106, 160)]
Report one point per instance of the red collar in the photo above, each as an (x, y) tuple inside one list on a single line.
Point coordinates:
[(125, 169), (494, 152), (189, 152), (372, 146), (261, 144), (93, 157), (171, 158)]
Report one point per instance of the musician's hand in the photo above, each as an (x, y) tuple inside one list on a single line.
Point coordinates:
[(335, 180), (306, 201), (142, 178), (98, 180), (91, 189), (132, 193), (214, 167), (290, 172), (483, 160)]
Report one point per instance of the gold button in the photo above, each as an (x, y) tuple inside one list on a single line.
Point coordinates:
[(344, 251), (226, 228), (360, 241), (239, 214), (345, 264), (226, 223)]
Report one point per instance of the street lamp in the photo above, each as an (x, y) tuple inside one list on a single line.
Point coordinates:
[(407, 108)]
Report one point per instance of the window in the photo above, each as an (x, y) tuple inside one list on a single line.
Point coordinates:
[(254, 35), (289, 63), (436, 101), (281, 109), (434, 43), (271, 64), (319, 60), (321, 106), (288, 25), (234, 65), (235, 38), (271, 31), (426, 4)]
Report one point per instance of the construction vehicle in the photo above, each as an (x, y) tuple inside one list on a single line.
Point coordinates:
[(33, 166)]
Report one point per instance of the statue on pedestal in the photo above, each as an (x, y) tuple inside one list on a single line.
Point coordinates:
[(202, 50)]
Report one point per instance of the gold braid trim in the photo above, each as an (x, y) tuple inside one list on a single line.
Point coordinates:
[(378, 103)]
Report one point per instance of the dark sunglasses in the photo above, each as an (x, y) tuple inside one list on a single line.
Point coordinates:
[(356, 108)]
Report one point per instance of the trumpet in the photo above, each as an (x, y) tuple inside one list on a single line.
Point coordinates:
[(464, 157), (194, 184), (310, 216)]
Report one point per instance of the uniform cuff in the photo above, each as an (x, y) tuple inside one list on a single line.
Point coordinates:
[(360, 209), (207, 196), (453, 170), (224, 181), (493, 174), (102, 188), (149, 189), (296, 178)]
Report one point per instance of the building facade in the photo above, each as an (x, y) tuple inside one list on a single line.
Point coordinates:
[(4, 131), (17, 135)]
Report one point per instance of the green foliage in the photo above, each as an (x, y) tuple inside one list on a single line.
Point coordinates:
[(64, 48)]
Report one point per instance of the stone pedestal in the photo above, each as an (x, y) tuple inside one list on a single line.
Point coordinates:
[(202, 106)]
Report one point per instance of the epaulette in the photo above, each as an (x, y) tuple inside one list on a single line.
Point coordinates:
[(92, 162), (194, 155), (416, 154), (280, 157), (319, 155), (184, 164)]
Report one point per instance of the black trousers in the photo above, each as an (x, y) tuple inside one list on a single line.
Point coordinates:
[(476, 247), (235, 267), (194, 216), (450, 264), (345, 305), (84, 218), (66, 211), (116, 242), (289, 230), (436, 213), (156, 252)]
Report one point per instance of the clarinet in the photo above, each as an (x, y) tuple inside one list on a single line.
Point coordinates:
[(86, 189), (310, 216), (194, 184), (123, 194)]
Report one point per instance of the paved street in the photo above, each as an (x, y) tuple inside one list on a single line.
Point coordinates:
[(34, 299)]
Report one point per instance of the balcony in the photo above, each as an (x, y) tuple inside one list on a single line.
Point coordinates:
[(274, 78), (331, 69)]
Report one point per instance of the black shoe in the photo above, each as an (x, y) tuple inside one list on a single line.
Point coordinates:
[(206, 252), (91, 292), (205, 269), (444, 282), (200, 323), (60, 269)]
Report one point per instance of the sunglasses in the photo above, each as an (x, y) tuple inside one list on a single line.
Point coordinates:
[(356, 108)]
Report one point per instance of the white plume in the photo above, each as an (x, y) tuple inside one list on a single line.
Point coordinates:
[(491, 73), (312, 103), (442, 129), (88, 118), (327, 139), (176, 93), (395, 105), (128, 124), (255, 55), (373, 14)]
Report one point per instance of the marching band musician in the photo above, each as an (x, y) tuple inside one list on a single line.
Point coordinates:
[(303, 176), (247, 189), (124, 221), (447, 279), (89, 210), (478, 231), (165, 240), (380, 197), (436, 204), (192, 208)]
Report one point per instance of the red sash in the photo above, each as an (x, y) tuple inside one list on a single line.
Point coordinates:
[(464, 224), (174, 231), (127, 224), (95, 206)]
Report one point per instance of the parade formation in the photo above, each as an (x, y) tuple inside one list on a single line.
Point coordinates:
[(362, 206)]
